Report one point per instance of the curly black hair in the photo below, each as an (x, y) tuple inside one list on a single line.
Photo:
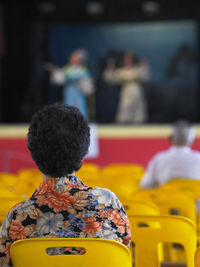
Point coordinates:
[(58, 139)]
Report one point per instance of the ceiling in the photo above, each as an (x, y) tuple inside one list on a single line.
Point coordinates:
[(112, 10)]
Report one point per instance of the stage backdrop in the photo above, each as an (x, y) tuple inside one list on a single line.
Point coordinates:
[(116, 145), (155, 41)]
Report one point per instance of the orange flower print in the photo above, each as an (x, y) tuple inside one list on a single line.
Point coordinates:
[(121, 229), (46, 186), (128, 228), (71, 185), (105, 213), (57, 200), (6, 249), (17, 230), (68, 249), (116, 218), (4, 260), (91, 225), (127, 240)]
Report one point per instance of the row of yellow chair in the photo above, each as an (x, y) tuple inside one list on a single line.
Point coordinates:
[(15, 188), (120, 178), (123, 179), (177, 197), (33, 252), (25, 181)]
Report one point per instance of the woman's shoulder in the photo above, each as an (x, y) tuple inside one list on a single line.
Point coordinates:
[(105, 195), (22, 206)]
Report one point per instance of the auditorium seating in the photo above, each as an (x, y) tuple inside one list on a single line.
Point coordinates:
[(140, 207), (177, 197), (148, 231)]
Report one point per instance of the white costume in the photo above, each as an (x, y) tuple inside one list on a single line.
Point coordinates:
[(132, 104)]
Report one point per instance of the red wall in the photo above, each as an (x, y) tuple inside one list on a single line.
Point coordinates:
[(14, 154)]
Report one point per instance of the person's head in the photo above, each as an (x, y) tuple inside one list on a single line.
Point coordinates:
[(183, 134), (128, 59), (58, 139), (79, 56), (74, 59)]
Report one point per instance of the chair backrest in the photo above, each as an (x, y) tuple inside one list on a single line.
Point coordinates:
[(99, 252), (133, 171), (184, 185), (6, 205), (197, 257), (170, 229), (140, 207), (89, 174), (170, 202)]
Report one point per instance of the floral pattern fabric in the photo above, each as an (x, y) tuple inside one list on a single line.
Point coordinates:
[(65, 207)]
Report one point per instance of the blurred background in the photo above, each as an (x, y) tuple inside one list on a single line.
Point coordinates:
[(138, 72), (131, 66), (161, 38)]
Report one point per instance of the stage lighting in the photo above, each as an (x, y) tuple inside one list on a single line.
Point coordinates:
[(94, 8), (46, 7), (151, 7)]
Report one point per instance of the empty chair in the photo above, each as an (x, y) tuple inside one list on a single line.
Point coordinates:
[(169, 202), (140, 207), (5, 205), (8, 180), (173, 229), (98, 253), (184, 185), (134, 171), (89, 173)]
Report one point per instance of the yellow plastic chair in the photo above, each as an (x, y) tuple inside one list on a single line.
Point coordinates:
[(88, 168), (125, 167), (8, 180), (29, 177), (99, 252), (186, 186), (122, 189), (26, 173), (197, 257), (140, 207), (169, 202), (133, 171), (5, 205), (173, 229), (122, 179), (183, 185), (89, 174)]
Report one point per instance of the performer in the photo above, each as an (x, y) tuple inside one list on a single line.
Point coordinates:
[(77, 81), (132, 105)]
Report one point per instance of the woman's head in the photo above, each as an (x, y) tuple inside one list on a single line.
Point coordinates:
[(58, 139)]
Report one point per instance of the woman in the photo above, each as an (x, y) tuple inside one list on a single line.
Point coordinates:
[(62, 205), (79, 83), (76, 80), (132, 104)]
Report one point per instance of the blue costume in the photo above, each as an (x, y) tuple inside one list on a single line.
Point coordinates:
[(73, 92)]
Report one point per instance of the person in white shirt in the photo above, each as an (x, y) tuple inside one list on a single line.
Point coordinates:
[(179, 161)]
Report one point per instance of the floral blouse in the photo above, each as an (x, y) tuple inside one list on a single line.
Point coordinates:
[(65, 207)]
